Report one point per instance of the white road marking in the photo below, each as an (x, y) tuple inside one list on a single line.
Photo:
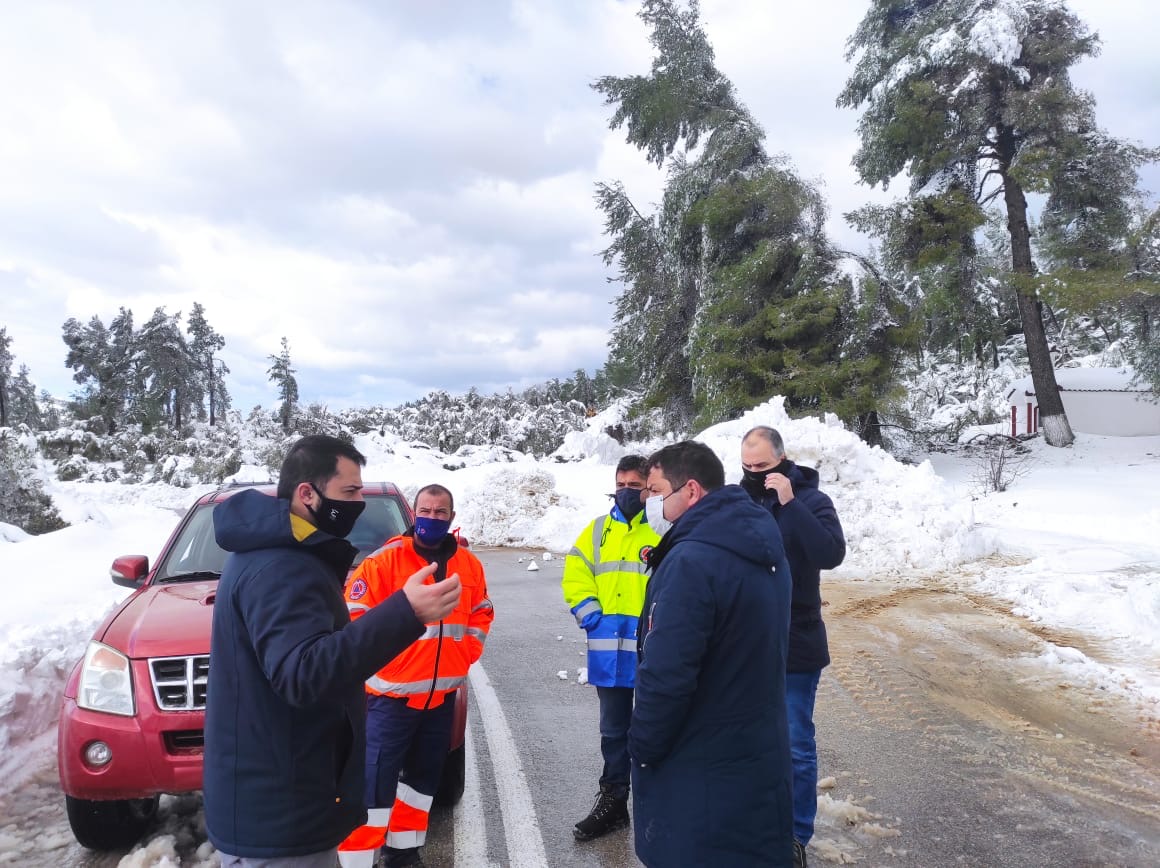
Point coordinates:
[(525, 844), (470, 831)]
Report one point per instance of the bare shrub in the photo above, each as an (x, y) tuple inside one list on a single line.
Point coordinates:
[(999, 461)]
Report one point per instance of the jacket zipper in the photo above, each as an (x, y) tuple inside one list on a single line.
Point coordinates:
[(435, 674)]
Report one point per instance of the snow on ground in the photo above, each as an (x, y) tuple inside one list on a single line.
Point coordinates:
[(1083, 526), (1079, 537)]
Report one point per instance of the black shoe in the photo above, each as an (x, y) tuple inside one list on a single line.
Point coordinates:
[(608, 814), (799, 854), (409, 858)]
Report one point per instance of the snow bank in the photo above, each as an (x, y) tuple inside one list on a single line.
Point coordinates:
[(896, 516)]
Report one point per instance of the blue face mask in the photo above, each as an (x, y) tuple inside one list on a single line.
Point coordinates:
[(429, 532), (629, 502)]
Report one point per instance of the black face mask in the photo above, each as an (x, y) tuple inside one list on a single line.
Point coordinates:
[(753, 481), (336, 517)]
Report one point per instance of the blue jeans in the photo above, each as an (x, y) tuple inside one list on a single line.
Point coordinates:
[(615, 716), (801, 688)]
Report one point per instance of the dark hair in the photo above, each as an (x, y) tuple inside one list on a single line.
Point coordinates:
[(314, 459), (436, 489), (770, 434), (687, 460), (633, 464)]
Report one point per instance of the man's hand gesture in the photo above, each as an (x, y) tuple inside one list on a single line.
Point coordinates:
[(432, 601)]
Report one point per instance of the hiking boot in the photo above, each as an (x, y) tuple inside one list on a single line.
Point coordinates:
[(607, 815), (799, 854)]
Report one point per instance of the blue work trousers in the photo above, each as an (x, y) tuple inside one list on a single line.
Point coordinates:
[(615, 716), (801, 688), (405, 744)]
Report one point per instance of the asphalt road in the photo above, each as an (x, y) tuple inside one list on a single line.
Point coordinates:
[(941, 743)]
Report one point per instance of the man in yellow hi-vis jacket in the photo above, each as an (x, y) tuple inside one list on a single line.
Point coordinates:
[(604, 584)]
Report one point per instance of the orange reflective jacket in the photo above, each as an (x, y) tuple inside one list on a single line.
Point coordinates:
[(437, 662)]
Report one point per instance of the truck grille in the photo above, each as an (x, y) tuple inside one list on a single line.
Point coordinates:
[(179, 682)]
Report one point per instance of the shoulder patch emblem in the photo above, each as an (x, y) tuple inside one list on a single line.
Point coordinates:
[(358, 589), (643, 554)]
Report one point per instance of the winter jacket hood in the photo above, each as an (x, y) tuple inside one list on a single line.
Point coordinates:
[(250, 521)]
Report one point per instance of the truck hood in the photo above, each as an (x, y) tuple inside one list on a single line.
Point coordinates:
[(164, 621)]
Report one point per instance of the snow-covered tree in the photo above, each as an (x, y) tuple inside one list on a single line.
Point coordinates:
[(281, 374), (977, 93), (731, 292), (102, 363), (6, 360), (25, 502), (23, 406), (168, 375), (204, 345)]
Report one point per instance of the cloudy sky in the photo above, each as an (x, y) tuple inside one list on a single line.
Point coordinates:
[(403, 190)]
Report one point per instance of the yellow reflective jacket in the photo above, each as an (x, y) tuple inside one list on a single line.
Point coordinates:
[(604, 584)]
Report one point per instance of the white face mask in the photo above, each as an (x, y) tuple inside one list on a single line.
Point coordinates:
[(654, 513)]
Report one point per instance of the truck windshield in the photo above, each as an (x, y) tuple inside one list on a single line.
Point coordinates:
[(196, 554)]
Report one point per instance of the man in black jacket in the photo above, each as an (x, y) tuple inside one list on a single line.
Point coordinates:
[(285, 722), (711, 768), (813, 541)]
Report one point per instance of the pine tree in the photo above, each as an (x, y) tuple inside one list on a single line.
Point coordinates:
[(24, 409), (204, 344), (956, 90), (6, 360), (25, 503), (281, 374), (731, 291), (168, 371), (100, 367)]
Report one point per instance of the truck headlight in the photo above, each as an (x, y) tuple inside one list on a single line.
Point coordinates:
[(106, 684)]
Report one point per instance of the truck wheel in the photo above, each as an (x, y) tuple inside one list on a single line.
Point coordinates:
[(454, 776), (112, 825)]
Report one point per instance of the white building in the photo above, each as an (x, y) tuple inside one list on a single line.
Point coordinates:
[(1096, 400)]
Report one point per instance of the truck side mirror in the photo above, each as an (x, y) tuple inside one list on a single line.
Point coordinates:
[(129, 571)]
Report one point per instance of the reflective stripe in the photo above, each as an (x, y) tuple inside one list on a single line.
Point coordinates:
[(357, 607), (612, 645), (379, 817), (409, 687), (410, 796), (597, 533), (576, 553), (479, 634), (587, 609), (406, 840), (486, 604), (450, 631), (357, 858), (386, 548), (621, 567)]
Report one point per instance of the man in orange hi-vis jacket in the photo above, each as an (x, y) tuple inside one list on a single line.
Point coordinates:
[(410, 701)]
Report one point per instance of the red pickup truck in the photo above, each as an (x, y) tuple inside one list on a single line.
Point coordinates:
[(132, 719)]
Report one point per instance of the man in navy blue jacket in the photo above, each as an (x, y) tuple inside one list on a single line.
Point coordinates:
[(708, 739), (813, 541), (285, 721)]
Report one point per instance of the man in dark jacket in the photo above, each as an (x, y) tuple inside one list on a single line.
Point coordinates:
[(813, 541), (286, 710), (710, 749)]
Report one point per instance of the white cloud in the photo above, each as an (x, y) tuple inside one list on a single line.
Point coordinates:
[(405, 191)]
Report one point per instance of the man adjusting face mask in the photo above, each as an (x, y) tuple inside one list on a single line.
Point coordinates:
[(335, 517)]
